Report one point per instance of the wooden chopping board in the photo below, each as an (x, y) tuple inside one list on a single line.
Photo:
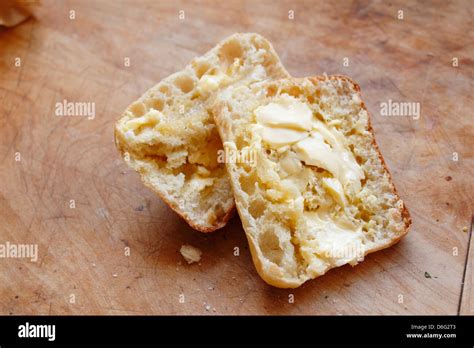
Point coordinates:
[(83, 266)]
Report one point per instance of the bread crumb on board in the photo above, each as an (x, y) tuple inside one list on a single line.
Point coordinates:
[(464, 229), (191, 254)]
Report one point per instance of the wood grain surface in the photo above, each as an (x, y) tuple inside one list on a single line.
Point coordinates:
[(82, 267)]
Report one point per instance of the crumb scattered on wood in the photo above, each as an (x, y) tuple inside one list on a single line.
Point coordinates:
[(191, 254), (427, 275)]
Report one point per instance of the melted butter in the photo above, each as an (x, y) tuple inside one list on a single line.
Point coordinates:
[(335, 189), (289, 122), (332, 239), (325, 236), (349, 170), (210, 83), (287, 113), (277, 137), (150, 119)]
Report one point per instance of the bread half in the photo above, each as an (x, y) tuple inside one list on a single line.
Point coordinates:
[(170, 138), (310, 185)]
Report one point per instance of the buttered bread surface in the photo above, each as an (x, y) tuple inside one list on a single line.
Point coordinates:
[(318, 195)]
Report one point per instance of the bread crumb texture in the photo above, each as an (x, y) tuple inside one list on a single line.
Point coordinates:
[(170, 138), (191, 254), (319, 195)]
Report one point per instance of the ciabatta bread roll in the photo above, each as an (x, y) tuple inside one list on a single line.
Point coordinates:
[(170, 138), (310, 185)]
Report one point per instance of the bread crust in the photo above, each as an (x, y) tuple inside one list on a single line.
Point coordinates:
[(272, 276)]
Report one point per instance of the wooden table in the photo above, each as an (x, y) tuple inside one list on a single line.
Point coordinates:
[(82, 267)]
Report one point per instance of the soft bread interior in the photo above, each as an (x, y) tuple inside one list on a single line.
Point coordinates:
[(315, 193), (170, 137)]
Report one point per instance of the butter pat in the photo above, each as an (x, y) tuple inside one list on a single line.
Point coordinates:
[(325, 148), (287, 125), (210, 83), (350, 172), (332, 240), (150, 119), (287, 112), (334, 188), (277, 137), (290, 164), (284, 122), (315, 152)]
